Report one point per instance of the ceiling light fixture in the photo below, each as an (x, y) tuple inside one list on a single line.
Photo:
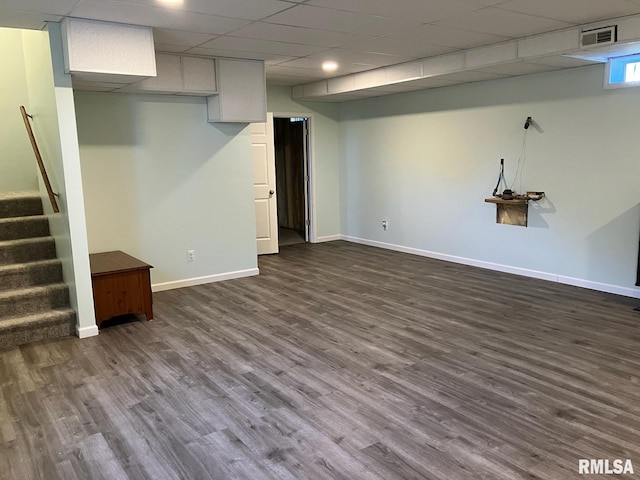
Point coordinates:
[(171, 2), (329, 66)]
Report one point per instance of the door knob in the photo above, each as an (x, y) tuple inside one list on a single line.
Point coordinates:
[(271, 192)]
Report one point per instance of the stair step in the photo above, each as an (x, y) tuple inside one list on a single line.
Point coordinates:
[(14, 228), (40, 326), (25, 275), (32, 300), (26, 250), (20, 204)]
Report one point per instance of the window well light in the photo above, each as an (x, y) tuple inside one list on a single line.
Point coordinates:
[(623, 71), (329, 66)]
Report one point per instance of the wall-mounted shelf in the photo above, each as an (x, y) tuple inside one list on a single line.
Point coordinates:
[(500, 201), (514, 211)]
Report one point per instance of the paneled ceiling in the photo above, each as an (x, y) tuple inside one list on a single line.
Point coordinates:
[(295, 37)]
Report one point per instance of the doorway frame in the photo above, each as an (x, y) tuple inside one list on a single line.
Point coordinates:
[(311, 170)]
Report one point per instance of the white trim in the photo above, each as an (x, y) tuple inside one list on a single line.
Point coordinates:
[(86, 332), (190, 282), (311, 168), (551, 277), (601, 287), (329, 238)]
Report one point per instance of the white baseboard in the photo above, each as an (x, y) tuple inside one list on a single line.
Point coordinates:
[(329, 238), (86, 332), (552, 277), (190, 282), (601, 287)]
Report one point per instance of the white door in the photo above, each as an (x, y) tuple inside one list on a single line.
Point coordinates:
[(264, 185)]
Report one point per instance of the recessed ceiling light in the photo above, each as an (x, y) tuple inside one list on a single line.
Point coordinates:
[(171, 2), (329, 66)]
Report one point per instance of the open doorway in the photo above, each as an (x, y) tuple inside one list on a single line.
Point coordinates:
[(291, 139)]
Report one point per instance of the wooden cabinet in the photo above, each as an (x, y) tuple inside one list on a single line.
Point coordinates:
[(242, 96), (121, 285)]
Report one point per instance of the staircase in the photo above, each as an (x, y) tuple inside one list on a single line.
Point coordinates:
[(34, 303)]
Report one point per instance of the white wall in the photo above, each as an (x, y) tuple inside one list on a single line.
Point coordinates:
[(159, 180), (18, 165), (425, 161), (52, 106), (326, 156)]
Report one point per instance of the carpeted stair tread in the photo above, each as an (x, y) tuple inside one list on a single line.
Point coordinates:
[(54, 323), (27, 249), (34, 299), (30, 274), (20, 204), (14, 228)]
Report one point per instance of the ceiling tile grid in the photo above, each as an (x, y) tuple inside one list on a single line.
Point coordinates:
[(294, 37)]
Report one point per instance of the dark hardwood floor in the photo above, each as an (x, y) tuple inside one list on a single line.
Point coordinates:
[(338, 362)]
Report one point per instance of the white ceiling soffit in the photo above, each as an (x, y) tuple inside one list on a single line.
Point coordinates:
[(534, 54)]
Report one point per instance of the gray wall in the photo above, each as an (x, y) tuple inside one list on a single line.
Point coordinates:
[(159, 180), (17, 164), (326, 156), (425, 161), (54, 123)]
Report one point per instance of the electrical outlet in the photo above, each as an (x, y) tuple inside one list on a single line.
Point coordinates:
[(191, 255), (385, 225)]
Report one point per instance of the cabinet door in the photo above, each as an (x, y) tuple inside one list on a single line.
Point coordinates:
[(242, 95)]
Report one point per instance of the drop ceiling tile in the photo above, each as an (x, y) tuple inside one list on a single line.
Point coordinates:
[(245, 9), (471, 76), (308, 73), (423, 11), (582, 11), (339, 21), (166, 48), (435, 82), (448, 37), (366, 58), (168, 36), (57, 7), (389, 46), (401, 88), (311, 89), (518, 68), (491, 55), (561, 61), (273, 79), (30, 21), (316, 64), (78, 84), (345, 97), (269, 58), (289, 34), (93, 88), (443, 64), (113, 11), (496, 21), (262, 46)]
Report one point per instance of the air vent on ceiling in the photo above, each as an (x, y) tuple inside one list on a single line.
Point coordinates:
[(599, 37)]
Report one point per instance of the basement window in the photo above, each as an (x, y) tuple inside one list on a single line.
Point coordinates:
[(623, 72)]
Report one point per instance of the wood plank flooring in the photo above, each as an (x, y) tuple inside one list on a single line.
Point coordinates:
[(339, 361)]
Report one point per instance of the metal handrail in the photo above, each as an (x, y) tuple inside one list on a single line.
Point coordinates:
[(36, 151)]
